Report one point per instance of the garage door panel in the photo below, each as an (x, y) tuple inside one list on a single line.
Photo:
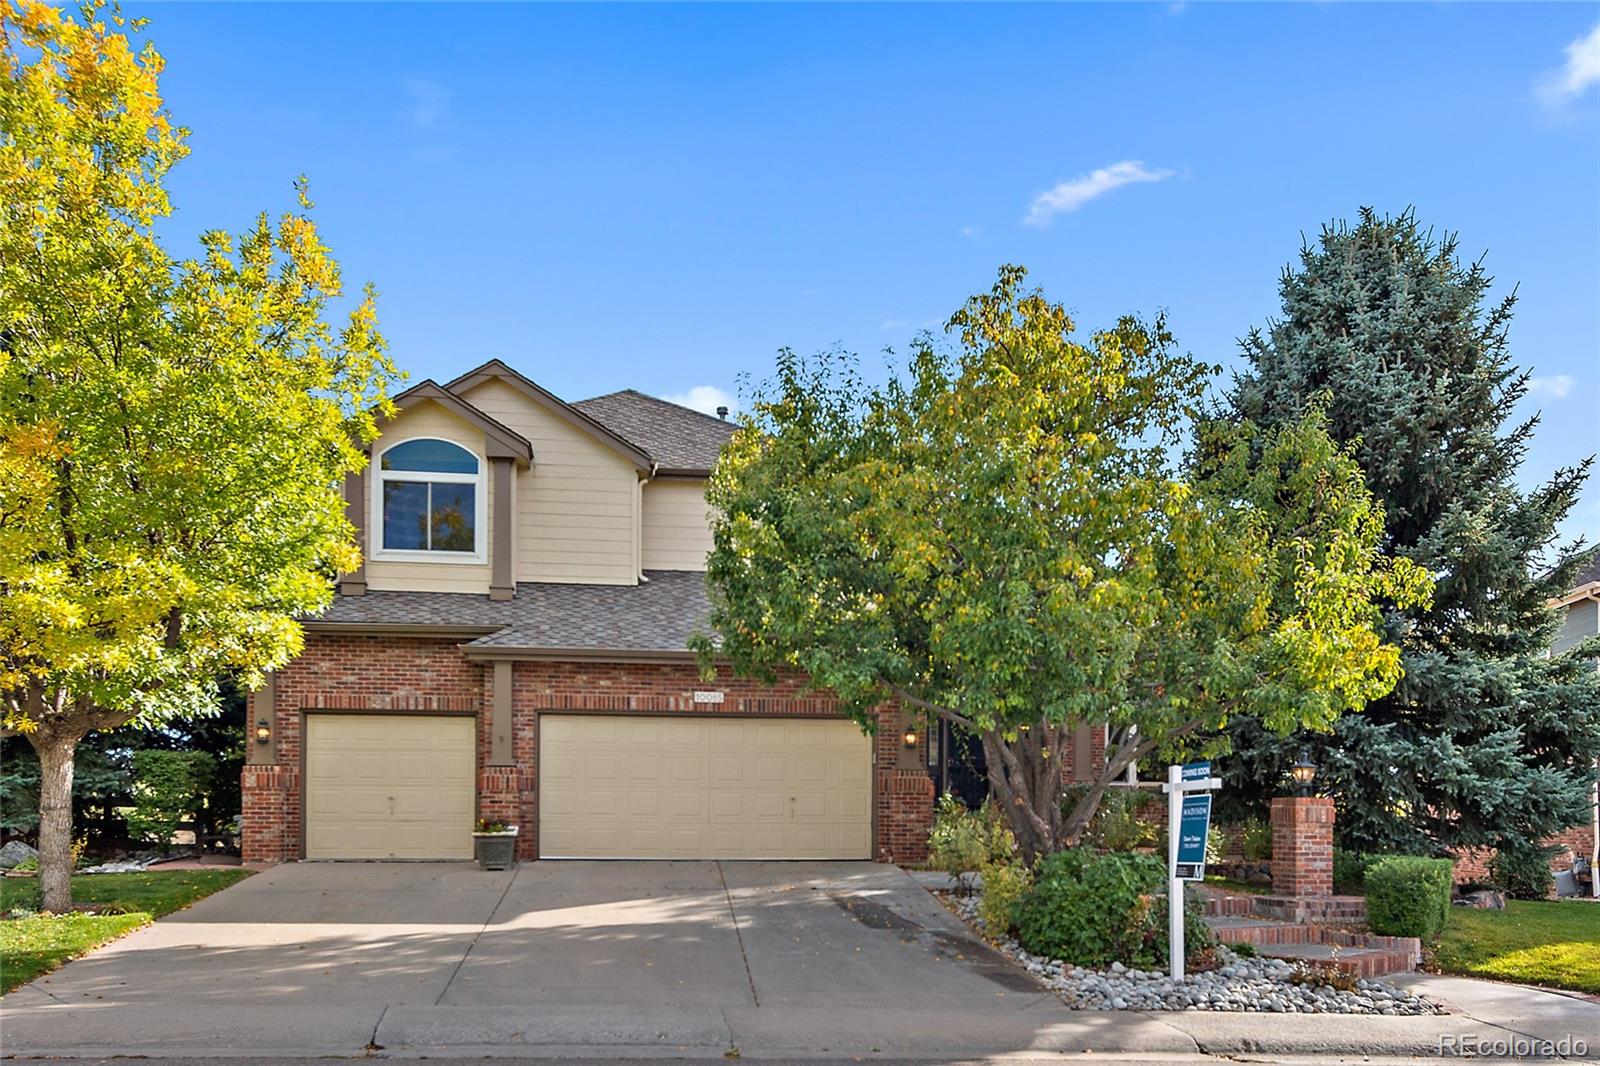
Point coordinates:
[(704, 788), (389, 786)]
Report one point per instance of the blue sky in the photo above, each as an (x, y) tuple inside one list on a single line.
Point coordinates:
[(660, 197)]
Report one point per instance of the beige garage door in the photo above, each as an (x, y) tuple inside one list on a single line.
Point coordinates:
[(389, 786), (620, 786)]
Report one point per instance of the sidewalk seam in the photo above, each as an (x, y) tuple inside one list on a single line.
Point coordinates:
[(738, 936)]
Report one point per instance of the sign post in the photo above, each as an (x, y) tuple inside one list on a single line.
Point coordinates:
[(1188, 790)]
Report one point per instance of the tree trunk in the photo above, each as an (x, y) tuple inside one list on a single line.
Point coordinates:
[(1025, 777), (56, 754)]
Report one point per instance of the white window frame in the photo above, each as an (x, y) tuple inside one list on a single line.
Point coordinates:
[(480, 524)]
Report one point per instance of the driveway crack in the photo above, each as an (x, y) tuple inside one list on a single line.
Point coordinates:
[(738, 936), (516, 872)]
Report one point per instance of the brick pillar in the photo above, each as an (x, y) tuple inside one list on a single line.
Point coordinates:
[(1302, 846), (270, 813), (905, 814)]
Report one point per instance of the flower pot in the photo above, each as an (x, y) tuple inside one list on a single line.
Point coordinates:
[(495, 851)]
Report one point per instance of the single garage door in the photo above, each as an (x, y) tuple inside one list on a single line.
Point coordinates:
[(389, 786), (625, 786)]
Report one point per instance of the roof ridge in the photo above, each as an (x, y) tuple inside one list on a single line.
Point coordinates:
[(661, 400)]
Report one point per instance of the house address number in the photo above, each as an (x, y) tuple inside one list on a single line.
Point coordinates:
[(708, 697)]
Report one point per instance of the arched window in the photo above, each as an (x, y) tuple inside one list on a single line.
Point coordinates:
[(431, 496)]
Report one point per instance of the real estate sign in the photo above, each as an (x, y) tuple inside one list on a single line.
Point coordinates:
[(1194, 824)]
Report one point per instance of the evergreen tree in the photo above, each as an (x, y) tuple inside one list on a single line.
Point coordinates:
[(1487, 740)]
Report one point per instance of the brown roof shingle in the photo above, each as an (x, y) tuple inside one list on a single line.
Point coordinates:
[(681, 439)]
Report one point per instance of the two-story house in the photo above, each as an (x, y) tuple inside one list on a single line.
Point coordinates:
[(515, 648)]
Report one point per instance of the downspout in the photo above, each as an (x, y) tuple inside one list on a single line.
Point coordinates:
[(638, 523)]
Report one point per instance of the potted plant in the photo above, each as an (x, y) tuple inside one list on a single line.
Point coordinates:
[(494, 844)]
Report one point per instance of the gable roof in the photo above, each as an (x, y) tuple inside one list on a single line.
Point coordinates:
[(500, 442), (654, 618), (495, 369), (1583, 585), (681, 439)]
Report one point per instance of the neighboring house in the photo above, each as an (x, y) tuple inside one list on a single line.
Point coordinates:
[(1580, 622), (515, 648)]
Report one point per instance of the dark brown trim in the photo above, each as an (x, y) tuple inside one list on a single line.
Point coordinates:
[(489, 652), (355, 512), (263, 704), (502, 477), (538, 761), (305, 744), (501, 715), (685, 473), (500, 441), (494, 368), (398, 629)]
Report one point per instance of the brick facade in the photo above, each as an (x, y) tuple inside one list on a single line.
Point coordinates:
[(1302, 846), (389, 673)]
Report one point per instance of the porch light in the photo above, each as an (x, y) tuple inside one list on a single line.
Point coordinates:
[(911, 737), (263, 731), (1304, 771)]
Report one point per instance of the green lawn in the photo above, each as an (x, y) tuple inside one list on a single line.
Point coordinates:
[(39, 943), (1555, 944)]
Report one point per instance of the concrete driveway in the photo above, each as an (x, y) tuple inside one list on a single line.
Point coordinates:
[(554, 958)]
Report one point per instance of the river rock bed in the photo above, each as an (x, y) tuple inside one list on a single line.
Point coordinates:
[(1239, 984)]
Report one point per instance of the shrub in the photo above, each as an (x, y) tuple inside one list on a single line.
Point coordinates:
[(1523, 871), (1004, 885), (962, 840), (1257, 840), (167, 786), (1350, 870), (1095, 909), (1116, 825), (1408, 895)]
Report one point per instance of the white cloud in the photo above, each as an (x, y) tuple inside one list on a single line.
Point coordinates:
[(703, 398), (894, 323), (429, 101), (1581, 70), (1554, 387), (1071, 195), (970, 232)]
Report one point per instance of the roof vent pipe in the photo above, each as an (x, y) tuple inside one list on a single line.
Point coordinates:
[(722, 413)]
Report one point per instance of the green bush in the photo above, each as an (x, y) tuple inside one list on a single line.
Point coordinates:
[(1094, 909), (1523, 871), (1408, 895), (1350, 870), (167, 787), (962, 840), (1004, 885), (1257, 840), (1116, 825)]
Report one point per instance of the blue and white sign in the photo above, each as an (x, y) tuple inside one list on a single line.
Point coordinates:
[(1194, 824), (1196, 771)]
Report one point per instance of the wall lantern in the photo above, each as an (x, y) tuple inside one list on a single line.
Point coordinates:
[(263, 731), (911, 737), (1304, 771)]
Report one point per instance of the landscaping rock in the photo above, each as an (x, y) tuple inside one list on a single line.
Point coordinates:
[(1484, 899), (14, 852), (130, 866), (1240, 984)]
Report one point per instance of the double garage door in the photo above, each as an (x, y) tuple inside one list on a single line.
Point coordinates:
[(610, 786)]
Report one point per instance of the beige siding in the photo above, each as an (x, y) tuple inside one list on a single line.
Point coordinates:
[(1579, 622), (676, 525), (427, 420), (577, 518)]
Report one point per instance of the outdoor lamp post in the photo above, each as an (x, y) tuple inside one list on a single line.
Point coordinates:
[(1304, 771)]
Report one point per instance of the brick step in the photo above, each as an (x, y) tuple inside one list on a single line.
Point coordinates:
[(1330, 909), (1243, 930), (1356, 961), (1226, 906)]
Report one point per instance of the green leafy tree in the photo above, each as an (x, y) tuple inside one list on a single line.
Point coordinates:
[(172, 433), (1488, 740), (995, 538), (168, 787)]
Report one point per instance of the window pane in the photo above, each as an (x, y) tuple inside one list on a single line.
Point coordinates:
[(434, 456), (452, 517), (405, 515)]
